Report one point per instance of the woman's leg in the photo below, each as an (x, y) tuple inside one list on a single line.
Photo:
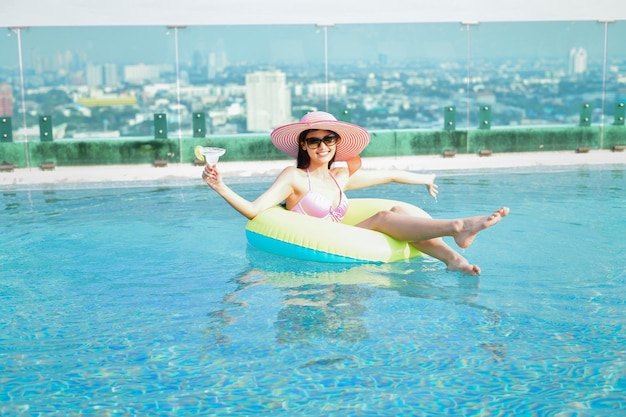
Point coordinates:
[(438, 249), (401, 226)]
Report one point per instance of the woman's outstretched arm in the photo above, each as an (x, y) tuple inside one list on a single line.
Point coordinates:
[(276, 194), (368, 178)]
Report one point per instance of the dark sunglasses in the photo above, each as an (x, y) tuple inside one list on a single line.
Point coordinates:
[(329, 140)]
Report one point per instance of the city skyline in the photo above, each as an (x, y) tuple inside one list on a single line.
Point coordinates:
[(387, 74)]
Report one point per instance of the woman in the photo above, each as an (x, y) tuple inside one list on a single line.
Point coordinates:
[(316, 188)]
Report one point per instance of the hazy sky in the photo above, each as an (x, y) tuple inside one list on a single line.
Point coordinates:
[(227, 12), (296, 44)]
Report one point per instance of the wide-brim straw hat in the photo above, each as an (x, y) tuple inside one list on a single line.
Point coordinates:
[(353, 138)]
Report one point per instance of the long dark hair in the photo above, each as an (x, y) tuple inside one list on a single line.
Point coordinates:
[(304, 160)]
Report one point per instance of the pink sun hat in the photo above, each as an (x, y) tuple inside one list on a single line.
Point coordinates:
[(353, 138)]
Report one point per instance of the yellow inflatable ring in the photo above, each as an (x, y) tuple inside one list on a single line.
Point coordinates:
[(294, 235)]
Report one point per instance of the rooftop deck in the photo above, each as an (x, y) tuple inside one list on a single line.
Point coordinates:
[(424, 163)]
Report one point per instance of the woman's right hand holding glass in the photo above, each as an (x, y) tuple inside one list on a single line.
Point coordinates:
[(211, 176)]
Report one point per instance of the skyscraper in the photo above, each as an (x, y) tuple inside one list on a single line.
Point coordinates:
[(577, 61), (111, 77), (268, 100), (218, 62), (141, 73), (94, 75), (99, 75)]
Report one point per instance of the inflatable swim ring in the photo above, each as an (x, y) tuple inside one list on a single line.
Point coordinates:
[(294, 235)]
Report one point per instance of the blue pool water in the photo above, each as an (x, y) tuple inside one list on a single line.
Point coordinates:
[(147, 300)]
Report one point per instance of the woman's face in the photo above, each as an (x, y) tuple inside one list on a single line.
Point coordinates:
[(321, 145)]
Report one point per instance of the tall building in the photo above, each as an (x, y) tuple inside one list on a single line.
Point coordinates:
[(99, 75), (217, 64), (577, 61), (6, 100), (111, 77), (196, 62), (334, 88), (93, 74), (212, 66), (268, 100), (141, 73)]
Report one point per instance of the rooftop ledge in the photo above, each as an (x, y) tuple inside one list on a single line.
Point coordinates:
[(175, 157), (137, 175)]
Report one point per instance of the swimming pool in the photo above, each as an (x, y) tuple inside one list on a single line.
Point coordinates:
[(147, 300)]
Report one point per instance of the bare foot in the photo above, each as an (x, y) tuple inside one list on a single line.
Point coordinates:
[(470, 226), (460, 264)]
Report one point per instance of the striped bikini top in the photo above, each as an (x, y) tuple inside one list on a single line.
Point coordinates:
[(316, 205)]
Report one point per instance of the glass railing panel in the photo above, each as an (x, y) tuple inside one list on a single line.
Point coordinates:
[(10, 85), (107, 82), (90, 80), (251, 78), (536, 73), (615, 102), (397, 76)]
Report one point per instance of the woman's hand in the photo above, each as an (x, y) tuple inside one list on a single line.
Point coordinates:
[(212, 177), (433, 189)]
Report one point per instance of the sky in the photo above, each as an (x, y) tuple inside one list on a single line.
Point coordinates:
[(299, 44), (240, 12)]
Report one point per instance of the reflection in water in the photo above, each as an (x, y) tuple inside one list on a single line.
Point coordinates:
[(313, 306), (329, 301), (316, 311)]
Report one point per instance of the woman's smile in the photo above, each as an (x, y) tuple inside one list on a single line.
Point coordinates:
[(323, 152)]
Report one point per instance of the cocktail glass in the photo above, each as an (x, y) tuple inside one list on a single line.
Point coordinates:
[(212, 155)]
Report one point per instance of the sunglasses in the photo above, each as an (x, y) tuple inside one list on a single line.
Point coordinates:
[(329, 140)]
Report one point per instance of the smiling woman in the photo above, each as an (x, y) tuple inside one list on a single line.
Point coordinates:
[(315, 188)]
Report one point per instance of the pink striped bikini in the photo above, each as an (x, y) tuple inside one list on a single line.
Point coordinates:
[(317, 205)]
